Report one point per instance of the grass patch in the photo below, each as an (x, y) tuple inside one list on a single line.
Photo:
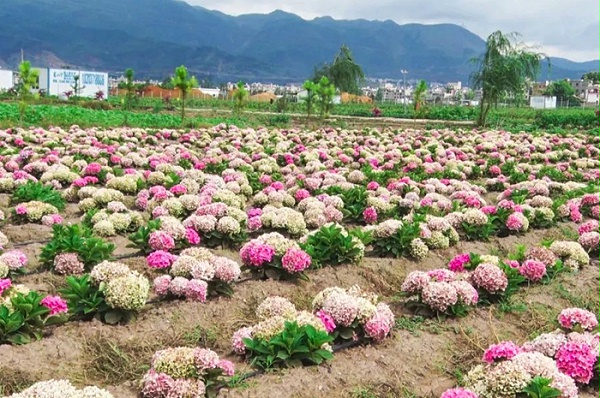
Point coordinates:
[(588, 299), (385, 282), (382, 390), (201, 336), (13, 381), (412, 324), (109, 361), (510, 306)]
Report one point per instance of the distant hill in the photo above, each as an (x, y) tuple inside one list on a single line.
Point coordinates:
[(155, 36)]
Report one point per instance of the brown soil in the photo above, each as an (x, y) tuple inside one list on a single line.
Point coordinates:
[(423, 362)]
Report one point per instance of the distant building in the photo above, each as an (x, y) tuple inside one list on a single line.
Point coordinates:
[(591, 95), (61, 81), (580, 86), (213, 92), (6, 80), (456, 86), (542, 102)]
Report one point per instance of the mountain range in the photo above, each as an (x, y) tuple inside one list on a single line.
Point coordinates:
[(155, 36)]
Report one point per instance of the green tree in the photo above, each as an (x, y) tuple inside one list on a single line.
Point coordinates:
[(419, 95), (344, 72), (167, 83), (309, 101), (77, 87), (129, 86), (503, 70), (28, 78), (379, 95), (562, 90), (185, 84), (325, 91), (594, 76), (240, 96)]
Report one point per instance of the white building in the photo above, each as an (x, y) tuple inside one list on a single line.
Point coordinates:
[(541, 102), (60, 81), (6, 80), (213, 92), (337, 99), (591, 95)]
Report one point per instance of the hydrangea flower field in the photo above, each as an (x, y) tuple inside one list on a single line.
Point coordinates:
[(298, 263)]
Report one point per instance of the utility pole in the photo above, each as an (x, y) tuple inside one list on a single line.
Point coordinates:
[(404, 72), (22, 56)]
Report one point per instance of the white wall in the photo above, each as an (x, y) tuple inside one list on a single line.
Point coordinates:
[(6, 80), (58, 81), (539, 102)]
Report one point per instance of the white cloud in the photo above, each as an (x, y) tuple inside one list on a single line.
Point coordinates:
[(561, 28)]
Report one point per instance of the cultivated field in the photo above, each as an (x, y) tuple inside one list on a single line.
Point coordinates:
[(298, 263)]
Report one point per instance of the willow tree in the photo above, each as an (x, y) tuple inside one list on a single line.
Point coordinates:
[(503, 70), (344, 72), (185, 84)]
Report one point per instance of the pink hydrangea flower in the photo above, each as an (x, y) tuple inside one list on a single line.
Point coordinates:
[(380, 325), (441, 275), (68, 264), (533, 270), (254, 223), (178, 189), (301, 194), (4, 285), (237, 341), (327, 320), (370, 215), (92, 169), (295, 260), (254, 212), (227, 367), (160, 259), (161, 285), (514, 222), (489, 277), (488, 210), (457, 264), (55, 304), (577, 359), (256, 253), (191, 236), (373, 186), (570, 318), (501, 351), (21, 209), (160, 240), (14, 259), (196, 290), (459, 392), (157, 384)]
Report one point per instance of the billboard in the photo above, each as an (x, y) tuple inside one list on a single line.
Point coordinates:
[(59, 81)]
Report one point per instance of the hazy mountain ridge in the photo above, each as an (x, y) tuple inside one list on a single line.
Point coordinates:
[(155, 36)]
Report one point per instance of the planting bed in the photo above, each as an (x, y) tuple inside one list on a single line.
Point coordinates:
[(392, 260)]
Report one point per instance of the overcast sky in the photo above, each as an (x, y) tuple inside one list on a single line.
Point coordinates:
[(562, 28)]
